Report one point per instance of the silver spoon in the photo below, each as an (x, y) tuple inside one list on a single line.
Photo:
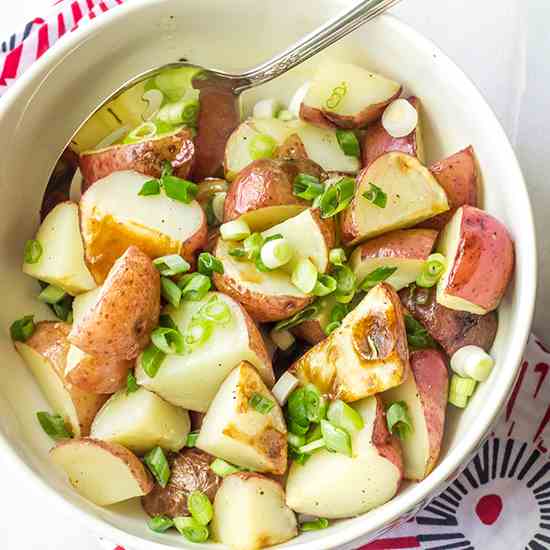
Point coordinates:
[(225, 85)]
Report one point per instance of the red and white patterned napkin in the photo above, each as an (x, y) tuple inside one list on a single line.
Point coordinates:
[(502, 498)]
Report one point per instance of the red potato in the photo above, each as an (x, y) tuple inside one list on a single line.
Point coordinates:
[(119, 322), (262, 192), (425, 394), (146, 157), (480, 261), (377, 142), (458, 175), (450, 328), (405, 249), (292, 148)]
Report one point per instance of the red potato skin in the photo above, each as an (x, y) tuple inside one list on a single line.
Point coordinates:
[(402, 243), (377, 142), (429, 368), (100, 375), (484, 262), (146, 158), (264, 183), (311, 331), (450, 328), (458, 175), (315, 117), (386, 444), (291, 149)]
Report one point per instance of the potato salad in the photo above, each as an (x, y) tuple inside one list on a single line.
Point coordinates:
[(256, 325)]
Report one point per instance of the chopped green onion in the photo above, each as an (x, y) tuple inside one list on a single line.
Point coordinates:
[(338, 312), (200, 507), (168, 340), (286, 384), (336, 96), (170, 291), (304, 276), (295, 440), (298, 428), (343, 416), (472, 361), (32, 252), (307, 187), (336, 197), (398, 419), (379, 275), (296, 456), (151, 359), (191, 529), (417, 335), (52, 294), (432, 271), (348, 142), (262, 146), (376, 196), (222, 468), (312, 446), (171, 265), (253, 246), (260, 403), (315, 403), (160, 524), (297, 411), (346, 282), (314, 433), (64, 308), (194, 286), (146, 130), (458, 400), (325, 285), (216, 310), (236, 230), (184, 111), (167, 322), (192, 437), (54, 425), (22, 329), (285, 115), (167, 169), (298, 318), (179, 189), (336, 439), (175, 82), (337, 256), (321, 523), (276, 253), (157, 463), (131, 383), (237, 252), (462, 386), (331, 327), (208, 264), (151, 187), (197, 333)]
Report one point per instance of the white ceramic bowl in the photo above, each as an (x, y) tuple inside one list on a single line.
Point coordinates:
[(44, 108)]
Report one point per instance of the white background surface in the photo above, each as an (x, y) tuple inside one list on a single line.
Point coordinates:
[(503, 46)]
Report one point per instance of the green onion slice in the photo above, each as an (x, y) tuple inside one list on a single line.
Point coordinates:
[(338, 312), (167, 322), (398, 419), (192, 437), (312, 447), (336, 439), (52, 294), (336, 197), (160, 524), (64, 308), (200, 507), (191, 529), (346, 282), (304, 315), (179, 189), (260, 403), (208, 264), (298, 428), (314, 433), (304, 277), (222, 468), (379, 275), (216, 310), (170, 265), (348, 142), (315, 404), (337, 256), (331, 327), (343, 416), (197, 333), (296, 456), (253, 245), (307, 187), (32, 251), (54, 425), (194, 286), (170, 291), (157, 463), (336, 96), (151, 187), (376, 196), (432, 271), (321, 523), (168, 340), (131, 383), (151, 359), (325, 285), (295, 440), (22, 329), (297, 411), (417, 335), (462, 386), (262, 146)]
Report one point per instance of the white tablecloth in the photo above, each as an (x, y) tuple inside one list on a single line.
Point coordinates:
[(503, 46)]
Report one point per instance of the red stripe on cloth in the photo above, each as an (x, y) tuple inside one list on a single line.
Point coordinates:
[(61, 28), (90, 4), (103, 6), (91, 14), (77, 13), (119, 548), (391, 544), (43, 41), (515, 391), (11, 64)]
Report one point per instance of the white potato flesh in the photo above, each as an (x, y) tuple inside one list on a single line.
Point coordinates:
[(416, 447), (250, 513), (104, 473), (268, 216), (62, 261), (305, 237), (363, 89), (51, 385), (191, 381), (407, 272), (140, 421), (233, 430), (413, 195), (333, 485)]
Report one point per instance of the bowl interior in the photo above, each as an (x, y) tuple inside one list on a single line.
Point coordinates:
[(48, 105)]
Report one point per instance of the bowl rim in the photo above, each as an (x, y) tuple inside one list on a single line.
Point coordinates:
[(383, 517)]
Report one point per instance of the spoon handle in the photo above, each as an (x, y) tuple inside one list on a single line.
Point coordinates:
[(344, 23)]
